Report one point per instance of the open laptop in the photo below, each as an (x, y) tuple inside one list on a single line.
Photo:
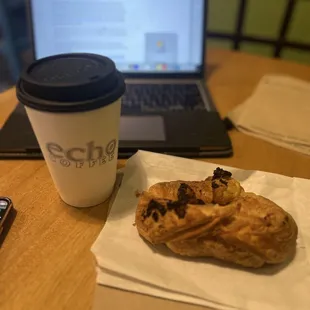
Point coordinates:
[(159, 45)]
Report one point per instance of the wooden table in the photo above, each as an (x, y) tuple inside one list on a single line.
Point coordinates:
[(45, 261)]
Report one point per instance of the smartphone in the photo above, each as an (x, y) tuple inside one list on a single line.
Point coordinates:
[(7, 216)]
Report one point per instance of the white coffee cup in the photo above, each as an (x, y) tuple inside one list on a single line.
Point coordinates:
[(78, 133)]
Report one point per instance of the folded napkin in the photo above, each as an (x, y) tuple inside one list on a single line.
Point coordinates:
[(278, 111), (108, 278), (128, 262)]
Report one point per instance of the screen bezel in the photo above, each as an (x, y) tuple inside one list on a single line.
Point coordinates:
[(142, 75)]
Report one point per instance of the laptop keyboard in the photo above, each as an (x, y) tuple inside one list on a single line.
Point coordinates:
[(161, 97)]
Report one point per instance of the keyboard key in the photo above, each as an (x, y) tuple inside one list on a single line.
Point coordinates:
[(162, 97)]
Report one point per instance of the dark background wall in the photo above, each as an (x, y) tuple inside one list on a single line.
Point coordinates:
[(272, 28)]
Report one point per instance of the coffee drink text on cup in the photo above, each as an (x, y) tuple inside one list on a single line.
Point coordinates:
[(90, 153)]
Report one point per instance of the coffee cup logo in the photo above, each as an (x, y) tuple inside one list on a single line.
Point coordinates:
[(90, 156), (110, 149)]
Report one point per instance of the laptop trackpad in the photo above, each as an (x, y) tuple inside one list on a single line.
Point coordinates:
[(142, 128)]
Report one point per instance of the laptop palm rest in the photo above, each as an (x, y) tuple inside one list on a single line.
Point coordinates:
[(190, 134)]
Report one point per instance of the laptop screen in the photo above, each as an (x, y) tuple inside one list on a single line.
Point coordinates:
[(141, 36)]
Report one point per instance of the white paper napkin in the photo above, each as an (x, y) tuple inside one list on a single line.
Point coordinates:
[(108, 278), (278, 111), (128, 262)]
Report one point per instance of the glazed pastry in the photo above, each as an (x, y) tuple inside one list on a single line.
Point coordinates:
[(216, 218)]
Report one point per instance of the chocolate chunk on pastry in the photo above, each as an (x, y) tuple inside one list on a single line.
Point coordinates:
[(216, 218)]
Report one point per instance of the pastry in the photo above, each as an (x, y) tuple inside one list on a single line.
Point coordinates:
[(216, 218)]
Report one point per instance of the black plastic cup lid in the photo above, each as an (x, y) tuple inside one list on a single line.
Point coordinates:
[(70, 83)]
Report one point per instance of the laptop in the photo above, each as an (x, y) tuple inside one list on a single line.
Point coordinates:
[(159, 46)]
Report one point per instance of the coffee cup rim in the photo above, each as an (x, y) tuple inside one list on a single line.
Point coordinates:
[(44, 105)]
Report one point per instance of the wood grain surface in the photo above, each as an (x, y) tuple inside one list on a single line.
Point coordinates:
[(45, 261)]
